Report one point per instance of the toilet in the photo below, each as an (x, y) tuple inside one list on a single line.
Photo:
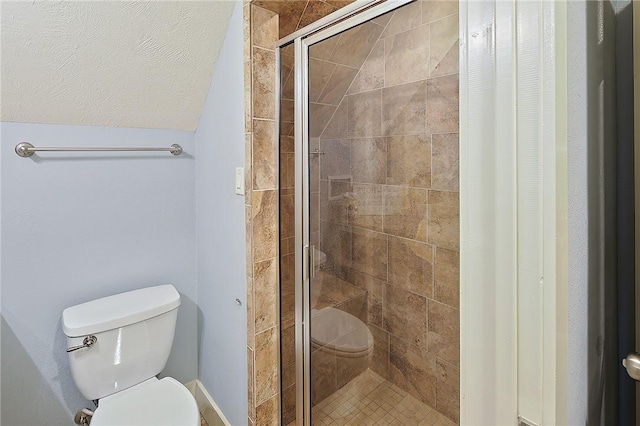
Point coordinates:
[(336, 332), (339, 333), (117, 345), (342, 340)]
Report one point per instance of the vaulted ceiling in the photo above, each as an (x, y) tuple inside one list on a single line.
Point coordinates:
[(121, 64)]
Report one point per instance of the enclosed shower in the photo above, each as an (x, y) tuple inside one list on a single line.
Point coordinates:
[(369, 218)]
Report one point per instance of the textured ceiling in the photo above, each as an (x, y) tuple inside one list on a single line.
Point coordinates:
[(121, 64)]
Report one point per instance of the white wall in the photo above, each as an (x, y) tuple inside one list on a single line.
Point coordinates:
[(78, 227), (221, 232), (578, 210)]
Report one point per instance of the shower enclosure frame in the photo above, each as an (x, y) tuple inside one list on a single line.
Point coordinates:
[(348, 17)]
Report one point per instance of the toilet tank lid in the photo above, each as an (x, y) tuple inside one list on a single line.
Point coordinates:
[(119, 310)]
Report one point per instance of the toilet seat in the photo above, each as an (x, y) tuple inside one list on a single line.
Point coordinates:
[(340, 333), (164, 402)]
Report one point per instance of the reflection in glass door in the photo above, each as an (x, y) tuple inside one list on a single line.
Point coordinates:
[(381, 224)]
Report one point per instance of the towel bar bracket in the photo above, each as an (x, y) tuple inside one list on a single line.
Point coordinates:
[(22, 149)]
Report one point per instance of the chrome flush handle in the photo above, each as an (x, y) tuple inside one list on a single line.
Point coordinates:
[(86, 343)]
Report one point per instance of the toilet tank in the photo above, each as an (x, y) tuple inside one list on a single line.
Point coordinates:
[(134, 332)]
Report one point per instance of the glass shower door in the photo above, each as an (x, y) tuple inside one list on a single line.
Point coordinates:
[(344, 204), (376, 147)]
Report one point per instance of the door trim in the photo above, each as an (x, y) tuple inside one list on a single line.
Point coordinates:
[(513, 252)]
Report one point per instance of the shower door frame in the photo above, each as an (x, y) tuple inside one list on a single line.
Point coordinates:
[(333, 24)]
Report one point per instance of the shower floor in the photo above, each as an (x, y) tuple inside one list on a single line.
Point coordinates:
[(371, 400)]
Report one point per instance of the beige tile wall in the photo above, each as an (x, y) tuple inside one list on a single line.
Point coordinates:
[(260, 35), (264, 23)]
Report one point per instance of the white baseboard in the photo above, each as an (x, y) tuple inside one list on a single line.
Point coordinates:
[(207, 406)]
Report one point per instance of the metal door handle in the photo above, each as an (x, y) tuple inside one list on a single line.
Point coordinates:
[(312, 262), (632, 364)]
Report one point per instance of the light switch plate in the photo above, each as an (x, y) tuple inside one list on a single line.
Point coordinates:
[(240, 180)]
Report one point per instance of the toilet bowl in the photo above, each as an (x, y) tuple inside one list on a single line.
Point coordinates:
[(117, 347), (152, 402), (341, 334)]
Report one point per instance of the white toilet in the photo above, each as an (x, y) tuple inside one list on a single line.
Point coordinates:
[(339, 333), (117, 346), (335, 331)]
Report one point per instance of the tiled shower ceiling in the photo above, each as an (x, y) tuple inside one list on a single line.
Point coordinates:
[(295, 14)]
